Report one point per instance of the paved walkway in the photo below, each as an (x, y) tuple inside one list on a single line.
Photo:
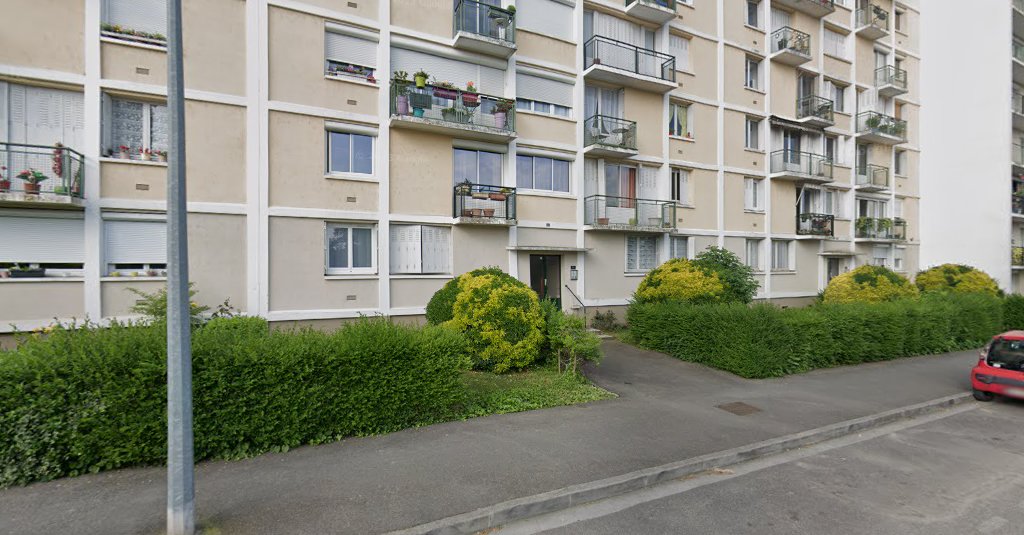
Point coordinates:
[(666, 411)]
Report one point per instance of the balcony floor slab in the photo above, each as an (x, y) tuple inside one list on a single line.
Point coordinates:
[(470, 131), (615, 76), (483, 44)]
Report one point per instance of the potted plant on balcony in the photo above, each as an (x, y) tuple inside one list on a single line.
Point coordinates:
[(480, 195), (161, 156), (21, 271), (464, 188), (602, 220), (5, 183), (500, 195), (401, 83), (420, 77), (123, 152), (502, 18), (32, 179), (455, 115), (470, 98), (873, 121), (864, 225), (445, 90), (488, 212), (501, 109)]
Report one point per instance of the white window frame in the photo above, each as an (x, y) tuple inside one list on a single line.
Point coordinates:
[(371, 270), (674, 108), (675, 249), (753, 8), (635, 238), (752, 133), (753, 194), (680, 185), (531, 106), (786, 260), (533, 175), (900, 163), (753, 245), (752, 73), (147, 127), (351, 146)]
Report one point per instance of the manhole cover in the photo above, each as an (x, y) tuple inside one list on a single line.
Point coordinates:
[(739, 408)]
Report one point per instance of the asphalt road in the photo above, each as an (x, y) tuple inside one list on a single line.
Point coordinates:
[(954, 473)]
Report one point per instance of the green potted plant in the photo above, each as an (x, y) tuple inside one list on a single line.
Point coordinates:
[(421, 78), (632, 221), (464, 188), (401, 82), (873, 121), (501, 109), (23, 271), (32, 179)]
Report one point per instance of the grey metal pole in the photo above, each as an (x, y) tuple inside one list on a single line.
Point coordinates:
[(180, 476)]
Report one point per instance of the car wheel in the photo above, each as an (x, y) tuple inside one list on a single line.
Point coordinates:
[(981, 395)]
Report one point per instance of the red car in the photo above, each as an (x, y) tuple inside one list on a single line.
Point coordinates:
[(1000, 370)]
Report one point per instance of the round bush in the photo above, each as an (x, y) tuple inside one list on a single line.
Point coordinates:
[(736, 277), (956, 278), (502, 321), (439, 309), (679, 280), (868, 284)]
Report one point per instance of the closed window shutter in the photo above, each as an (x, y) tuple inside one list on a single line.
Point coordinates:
[(436, 249), (648, 183), (487, 79), (349, 49), (405, 249), (680, 48), (748, 192), (780, 19), (545, 17), (42, 240), (543, 90), (135, 242), (835, 43), (148, 16), (17, 125)]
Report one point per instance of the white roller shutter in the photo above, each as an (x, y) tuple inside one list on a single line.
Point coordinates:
[(405, 249), (648, 183), (349, 49), (679, 47), (488, 80), (543, 90), (148, 16), (42, 240), (135, 242), (436, 249), (546, 17), (780, 19)]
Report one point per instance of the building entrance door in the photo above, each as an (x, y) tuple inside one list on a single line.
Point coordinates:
[(546, 277)]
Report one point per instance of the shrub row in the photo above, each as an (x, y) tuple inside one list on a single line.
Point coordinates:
[(1013, 312), (765, 341), (89, 399)]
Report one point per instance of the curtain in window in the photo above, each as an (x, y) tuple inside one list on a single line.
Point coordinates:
[(780, 19), (159, 127), (127, 124), (835, 43)]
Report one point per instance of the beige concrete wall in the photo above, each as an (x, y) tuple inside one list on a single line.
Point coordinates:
[(844, 121), (913, 67), (736, 155), (367, 9), (538, 127), (911, 114), (735, 92), (296, 49), (908, 37), (547, 209), (297, 280), (844, 228), (133, 64), (606, 266), (784, 82), (841, 15), (414, 292), (736, 29), (477, 246), (421, 173), (909, 183), (865, 50), (541, 47), (118, 300), (810, 26), (23, 300), (839, 68), (541, 237), (911, 213), (217, 252), (214, 45), (434, 18), (805, 277), (783, 207), (704, 194), (134, 181), (912, 260), (702, 80), (703, 148), (298, 156), (46, 34), (736, 218), (701, 16), (648, 110)]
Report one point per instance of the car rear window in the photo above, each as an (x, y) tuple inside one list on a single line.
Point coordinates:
[(1008, 354)]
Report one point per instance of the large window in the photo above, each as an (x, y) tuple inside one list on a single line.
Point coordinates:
[(679, 123), (347, 55), (477, 167), (835, 44), (349, 153), (420, 249), (753, 253), (349, 249), (547, 108), (837, 93), (752, 78), (641, 253), (56, 242), (620, 184), (545, 174), (753, 133), (680, 247), (880, 255), (543, 95), (135, 19), (780, 255), (133, 247), (753, 194), (681, 186), (679, 47), (135, 129)]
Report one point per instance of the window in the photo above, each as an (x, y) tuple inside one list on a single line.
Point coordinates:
[(679, 120), (830, 147), (898, 20), (136, 20), (349, 249), (753, 194), (681, 186), (135, 247), (898, 255), (543, 95), (837, 93), (753, 75), (545, 17), (346, 55), (754, 13), (880, 255), (539, 173), (835, 44), (349, 153), (780, 255), (477, 167), (679, 47), (680, 247), (753, 133), (420, 249), (140, 128), (901, 162), (547, 108), (620, 185), (753, 254), (871, 208), (641, 253), (57, 242)]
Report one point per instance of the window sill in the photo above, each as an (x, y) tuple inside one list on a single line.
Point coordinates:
[(839, 58), (897, 175), (351, 276), (755, 90), (127, 41), (358, 177), (783, 272), (422, 276), (841, 112), (687, 71), (351, 79), (131, 278), (545, 115), (635, 274), (690, 139), (755, 28), (759, 211), (42, 279), (542, 193), (686, 205), (107, 159), (757, 151)]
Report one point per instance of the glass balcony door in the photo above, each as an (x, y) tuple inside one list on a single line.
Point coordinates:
[(620, 187)]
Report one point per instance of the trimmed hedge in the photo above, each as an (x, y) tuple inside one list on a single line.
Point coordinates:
[(765, 341), (868, 284), (90, 399), (956, 278), (1013, 312)]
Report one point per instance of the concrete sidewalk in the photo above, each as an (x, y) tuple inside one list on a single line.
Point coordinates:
[(666, 412)]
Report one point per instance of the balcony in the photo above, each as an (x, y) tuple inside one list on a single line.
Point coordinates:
[(815, 111), (483, 204), (1018, 111), (790, 47), (881, 229), (1017, 257), (1018, 63), (485, 29), (872, 178), (622, 64), (891, 81), (451, 111), (820, 225), (626, 213), (609, 136), (814, 8), (872, 22), (1017, 208), (1017, 156), (39, 175), (876, 127), (656, 11), (801, 167)]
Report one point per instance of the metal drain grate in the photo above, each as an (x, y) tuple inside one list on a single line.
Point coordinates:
[(739, 408)]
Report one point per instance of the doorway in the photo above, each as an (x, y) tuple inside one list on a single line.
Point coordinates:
[(833, 270), (546, 277)]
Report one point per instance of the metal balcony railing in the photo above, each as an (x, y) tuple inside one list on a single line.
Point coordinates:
[(891, 75), (483, 201), (1018, 204), (872, 122), (600, 50), (609, 132), (41, 169), (871, 175), (881, 228), (628, 212), (815, 106), (667, 4), (1018, 154), (815, 224), (1017, 256), (485, 20), (873, 15), (803, 163), (1018, 103), (1018, 50), (453, 106), (1019, 4), (787, 38)]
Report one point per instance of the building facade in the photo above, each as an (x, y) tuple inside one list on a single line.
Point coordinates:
[(575, 144)]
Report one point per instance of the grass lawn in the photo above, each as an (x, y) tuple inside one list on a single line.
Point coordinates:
[(534, 388)]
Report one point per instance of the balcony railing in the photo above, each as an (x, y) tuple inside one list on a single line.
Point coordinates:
[(872, 122), (624, 56), (1019, 4), (609, 132), (881, 228), (483, 201), (667, 4), (787, 38), (815, 224), (1017, 256), (629, 213), (1018, 154), (485, 20), (452, 106), (815, 107), (1018, 50), (40, 170), (801, 163), (873, 16), (873, 176), (1018, 204), (1018, 103), (891, 75)]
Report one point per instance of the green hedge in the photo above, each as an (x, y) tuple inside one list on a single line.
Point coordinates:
[(765, 341), (92, 399), (1013, 312)]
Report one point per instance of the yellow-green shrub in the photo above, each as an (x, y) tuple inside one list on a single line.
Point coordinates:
[(679, 280), (869, 284), (502, 321), (956, 278)]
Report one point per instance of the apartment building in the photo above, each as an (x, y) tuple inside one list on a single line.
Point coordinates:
[(575, 144)]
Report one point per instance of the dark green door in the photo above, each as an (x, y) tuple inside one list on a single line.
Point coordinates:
[(546, 277)]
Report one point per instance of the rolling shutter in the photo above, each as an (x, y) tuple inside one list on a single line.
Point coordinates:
[(135, 242), (546, 17), (679, 47), (42, 240), (349, 49), (487, 79), (405, 249), (436, 249), (543, 90), (148, 16)]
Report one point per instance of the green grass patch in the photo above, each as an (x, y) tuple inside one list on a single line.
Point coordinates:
[(534, 388)]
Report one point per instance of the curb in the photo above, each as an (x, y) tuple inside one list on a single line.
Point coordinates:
[(564, 498)]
